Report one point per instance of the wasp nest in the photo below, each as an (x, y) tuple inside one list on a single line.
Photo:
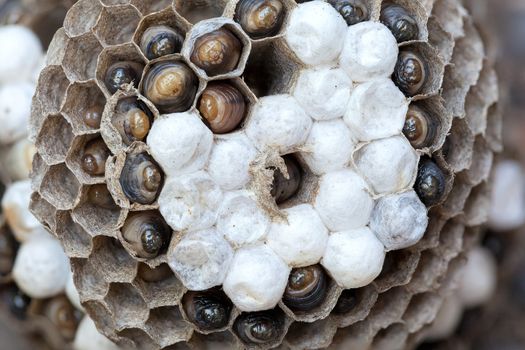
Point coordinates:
[(259, 174)]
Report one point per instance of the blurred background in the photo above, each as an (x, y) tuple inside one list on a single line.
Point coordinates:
[(497, 319)]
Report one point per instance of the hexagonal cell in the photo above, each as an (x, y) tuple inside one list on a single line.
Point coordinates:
[(88, 275), (482, 159), (263, 328), (80, 58), (117, 24), (147, 7), (52, 86), (82, 17), (54, 139), (167, 325), (477, 206), (392, 337), (87, 158), (158, 286), (139, 338), (196, 11), (397, 270), (117, 264), (119, 65), (456, 198), (212, 341), (270, 70), (440, 39), (84, 106), (97, 212), (354, 305), (389, 308), (217, 49), (415, 29), (224, 105), (480, 98), (125, 301), (60, 187), (421, 310), (431, 267), (57, 48), (209, 311), (43, 211), (493, 134), (316, 335), (458, 146), (161, 34), (40, 168), (75, 240)]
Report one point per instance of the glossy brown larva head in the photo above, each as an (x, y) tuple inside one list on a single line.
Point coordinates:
[(223, 107), (122, 73), (208, 310), (430, 183), (410, 73), (94, 157), (283, 188), (400, 22), (147, 233), (217, 52), (260, 18), (99, 196), (133, 120), (158, 41), (420, 128), (63, 315), (141, 179), (306, 289), (353, 11), (259, 327), (93, 116)]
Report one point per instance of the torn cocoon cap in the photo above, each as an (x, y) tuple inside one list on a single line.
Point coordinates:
[(257, 278), (41, 268), (241, 220), (230, 161), (15, 109), (389, 165), (329, 146), (201, 259), (180, 143), (15, 205), (399, 220), (370, 51), (354, 258), (344, 201), (278, 122), (323, 92), (301, 240), (190, 202), (20, 54), (315, 32), (377, 109), (88, 337)]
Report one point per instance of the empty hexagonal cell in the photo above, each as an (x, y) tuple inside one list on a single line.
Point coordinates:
[(88, 275), (196, 11), (54, 139), (482, 159), (57, 48), (80, 58), (87, 158), (397, 270), (97, 212), (43, 211), (167, 326), (476, 207), (419, 70), (138, 337), (158, 285), (271, 61), (82, 17), (217, 48), (125, 301), (389, 308), (84, 106), (316, 335), (209, 311), (224, 105), (75, 240), (392, 337), (147, 7), (52, 86), (458, 147), (119, 65), (421, 310), (60, 187), (354, 305), (161, 34), (263, 328), (117, 24), (40, 168), (117, 264)]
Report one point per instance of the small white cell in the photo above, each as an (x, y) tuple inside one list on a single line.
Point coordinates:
[(301, 240), (343, 200), (278, 122), (354, 258), (201, 259), (190, 202), (399, 220), (15, 109)]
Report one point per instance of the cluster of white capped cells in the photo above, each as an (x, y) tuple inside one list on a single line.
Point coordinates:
[(344, 120)]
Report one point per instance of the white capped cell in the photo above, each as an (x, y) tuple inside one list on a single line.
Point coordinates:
[(399, 220), (15, 109), (180, 143), (257, 278), (241, 220), (478, 278), (301, 240), (190, 202), (41, 268), (201, 259), (278, 122), (315, 32), (230, 161), (88, 337), (329, 146), (343, 200), (389, 165), (370, 51), (323, 92), (20, 55), (354, 258), (377, 109)]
